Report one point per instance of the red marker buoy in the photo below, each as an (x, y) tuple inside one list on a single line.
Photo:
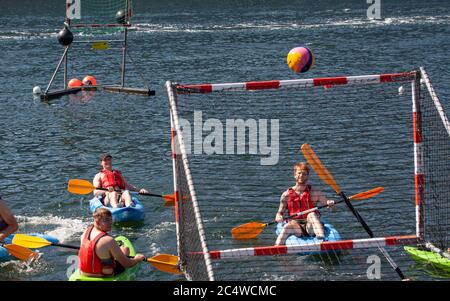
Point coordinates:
[(89, 80), (74, 83)]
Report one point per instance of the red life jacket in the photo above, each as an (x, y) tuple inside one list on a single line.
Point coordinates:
[(297, 203), (112, 178), (89, 261)]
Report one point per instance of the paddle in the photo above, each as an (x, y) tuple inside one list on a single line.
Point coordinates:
[(326, 176), (253, 229), (166, 263), (163, 262), (20, 252), (35, 242), (79, 186)]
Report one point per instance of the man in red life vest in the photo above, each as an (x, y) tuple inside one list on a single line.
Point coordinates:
[(100, 255), (118, 193), (299, 198), (8, 224)]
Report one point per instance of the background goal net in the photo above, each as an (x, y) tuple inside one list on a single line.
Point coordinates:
[(98, 13)]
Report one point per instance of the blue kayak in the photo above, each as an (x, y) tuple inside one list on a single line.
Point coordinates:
[(4, 254), (133, 213), (331, 234)]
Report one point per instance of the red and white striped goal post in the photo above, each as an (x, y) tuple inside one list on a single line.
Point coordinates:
[(317, 247), (297, 83)]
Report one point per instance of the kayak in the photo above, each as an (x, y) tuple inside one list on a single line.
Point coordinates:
[(4, 254), (432, 258), (331, 234), (133, 213), (127, 275)]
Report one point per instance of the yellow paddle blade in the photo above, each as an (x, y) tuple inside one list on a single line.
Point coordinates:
[(367, 194), (20, 252), (318, 167), (248, 230), (100, 45), (79, 186), (29, 241), (165, 263)]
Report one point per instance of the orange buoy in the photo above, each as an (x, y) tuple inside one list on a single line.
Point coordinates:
[(89, 80), (74, 82)]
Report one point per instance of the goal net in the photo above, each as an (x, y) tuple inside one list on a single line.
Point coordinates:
[(98, 13), (433, 168), (239, 141)]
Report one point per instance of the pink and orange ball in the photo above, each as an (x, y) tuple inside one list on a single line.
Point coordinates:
[(300, 59)]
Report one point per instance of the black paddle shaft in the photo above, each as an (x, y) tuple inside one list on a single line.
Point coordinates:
[(77, 248), (369, 231), (65, 246), (356, 214), (300, 213)]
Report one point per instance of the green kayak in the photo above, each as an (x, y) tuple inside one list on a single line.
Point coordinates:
[(433, 258), (128, 275)]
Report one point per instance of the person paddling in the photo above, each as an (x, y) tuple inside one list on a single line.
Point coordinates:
[(8, 223), (118, 193), (298, 198), (100, 255)]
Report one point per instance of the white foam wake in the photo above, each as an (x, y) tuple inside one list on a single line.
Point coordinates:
[(59, 227)]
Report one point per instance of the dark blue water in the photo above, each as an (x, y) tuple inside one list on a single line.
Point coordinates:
[(43, 145)]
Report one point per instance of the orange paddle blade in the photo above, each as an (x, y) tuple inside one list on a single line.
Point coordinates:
[(318, 167), (248, 230), (20, 252), (367, 194), (169, 199), (79, 186), (165, 263)]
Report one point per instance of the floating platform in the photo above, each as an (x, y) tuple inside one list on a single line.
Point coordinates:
[(59, 93), (115, 89), (129, 90)]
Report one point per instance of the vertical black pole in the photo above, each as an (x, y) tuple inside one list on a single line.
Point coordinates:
[(65, 67), (124, 52)]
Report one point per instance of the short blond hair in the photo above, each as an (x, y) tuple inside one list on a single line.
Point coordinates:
[(101, 214), (301, 166)]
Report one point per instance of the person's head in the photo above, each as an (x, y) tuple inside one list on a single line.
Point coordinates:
[(106, 161), (102, 219), (301, 172)]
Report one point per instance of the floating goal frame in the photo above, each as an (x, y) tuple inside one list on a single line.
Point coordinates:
[(48, 95), (420, 83)]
